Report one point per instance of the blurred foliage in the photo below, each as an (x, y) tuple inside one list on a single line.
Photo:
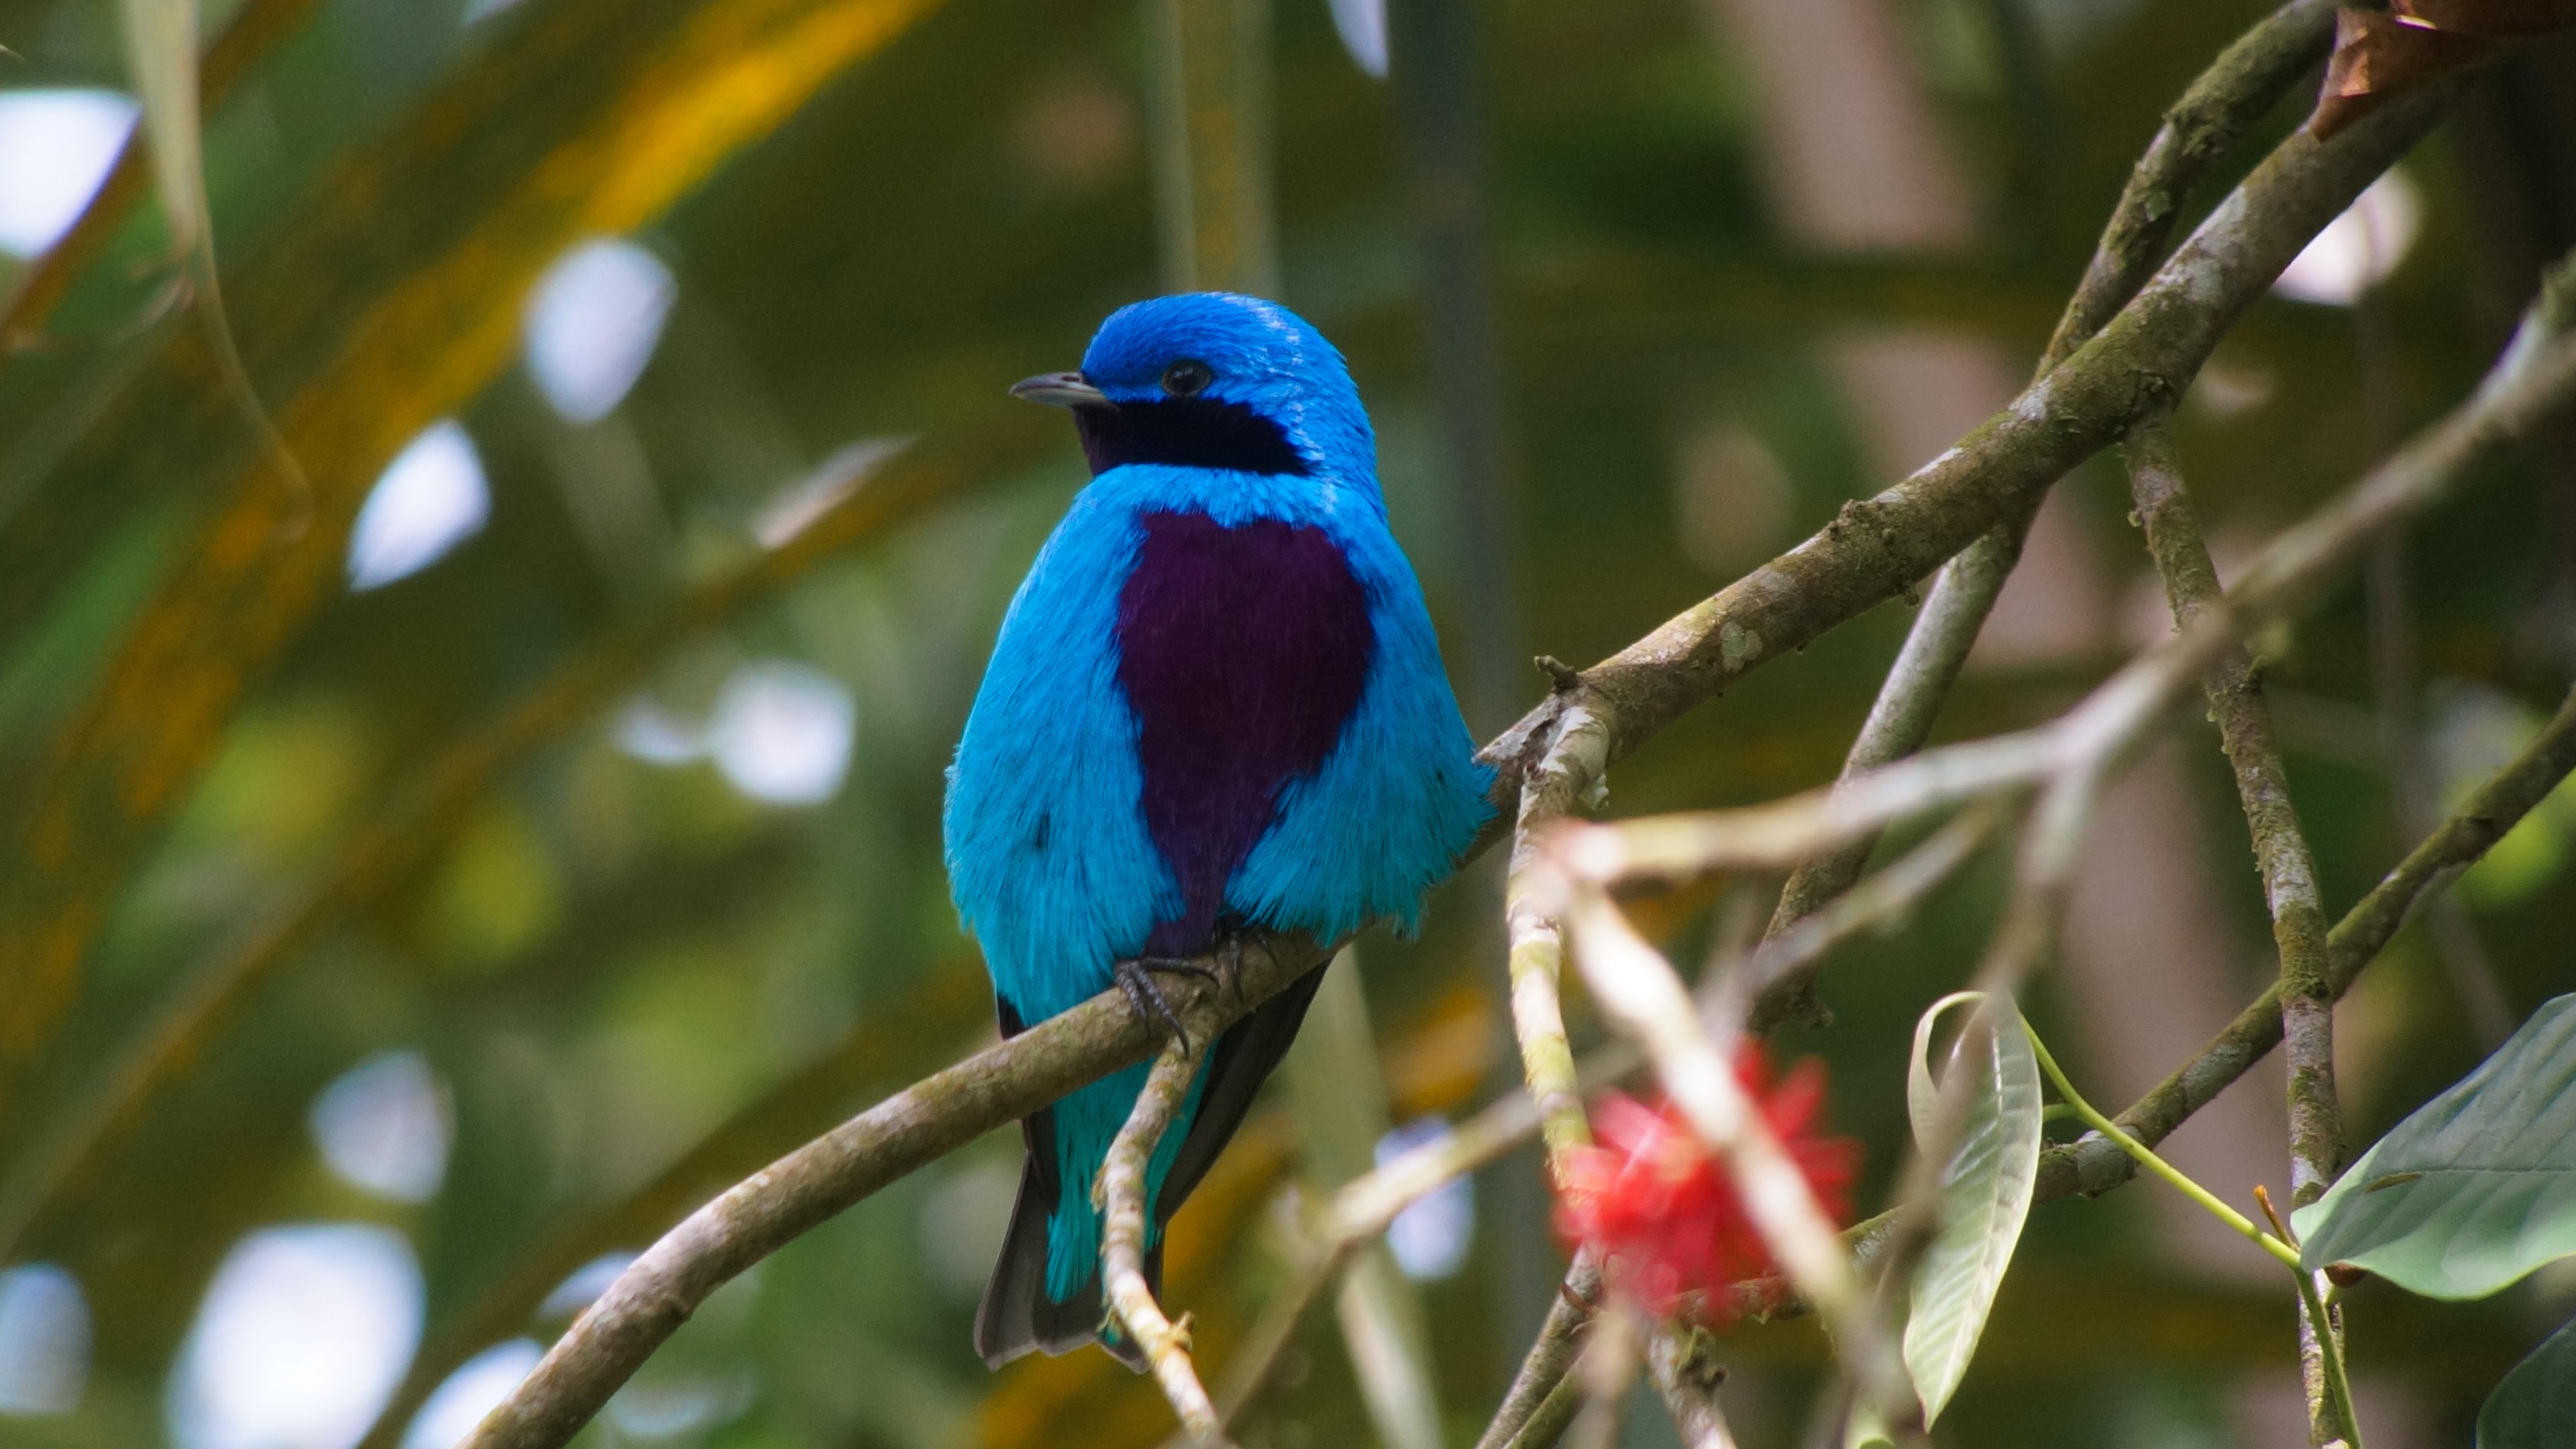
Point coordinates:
[(635, 981)]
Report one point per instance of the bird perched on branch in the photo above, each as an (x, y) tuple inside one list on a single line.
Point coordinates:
[(1216, 707)]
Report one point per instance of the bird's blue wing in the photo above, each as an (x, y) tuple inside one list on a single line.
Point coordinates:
[(1048, 859), (1052, 869)]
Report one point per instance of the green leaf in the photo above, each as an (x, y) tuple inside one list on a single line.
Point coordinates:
[(161, 56), (1866, 1428), (2474, 1190), (2535, 1406), (1986, 1191)]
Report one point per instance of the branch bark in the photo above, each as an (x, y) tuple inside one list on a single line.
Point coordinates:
[(1121, 1195), (1570, 770), (2095, 1165), (2246, 80), (774, 1206), (2234, 686)]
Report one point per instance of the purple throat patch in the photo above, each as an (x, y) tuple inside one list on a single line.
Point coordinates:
[(1243, 652)]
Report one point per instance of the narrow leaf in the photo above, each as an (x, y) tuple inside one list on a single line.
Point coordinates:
[(1922, 1098), (2535, 1406), (2474, 1190), (1985, 1193), (161, 55)]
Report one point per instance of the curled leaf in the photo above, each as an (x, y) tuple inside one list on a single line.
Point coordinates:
[(2418, 42), (1986, 1189)]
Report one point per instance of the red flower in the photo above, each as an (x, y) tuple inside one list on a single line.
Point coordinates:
[(1664, 1213)]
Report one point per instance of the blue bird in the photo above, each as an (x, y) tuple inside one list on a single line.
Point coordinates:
[(1216, 706)]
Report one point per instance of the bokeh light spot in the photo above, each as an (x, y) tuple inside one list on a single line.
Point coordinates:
[(44, 1341), (583, 1288), (1362, 26), (385, 1126), (2358, 249), (592, 323), (782, 732), (1430, 1238), (431, 498), (474, 1390), (56, 146), (300, 1340)]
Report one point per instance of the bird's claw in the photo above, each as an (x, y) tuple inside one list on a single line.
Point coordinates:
[(1135, 977)]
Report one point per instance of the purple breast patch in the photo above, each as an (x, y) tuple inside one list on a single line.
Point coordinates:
[(1243, 652)]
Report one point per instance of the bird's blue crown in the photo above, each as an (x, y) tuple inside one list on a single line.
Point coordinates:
[(1219, 380)]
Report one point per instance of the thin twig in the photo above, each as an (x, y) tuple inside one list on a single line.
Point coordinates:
[(1365, 1207), (1608, 1367), (1571, 770), (1121, 1197), (1677, 1357), (2098, 1164), (2074, 752), (1877, 903), (2234, 686), (2094, 1166), (2237, 89), (1542, 1398), (1640, 992)]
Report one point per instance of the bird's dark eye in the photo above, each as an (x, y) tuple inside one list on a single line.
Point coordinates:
[(1187, 378)]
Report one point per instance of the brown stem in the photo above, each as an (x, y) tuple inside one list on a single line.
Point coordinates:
[(2234, 686), (2237, 89), (1121, 1195)]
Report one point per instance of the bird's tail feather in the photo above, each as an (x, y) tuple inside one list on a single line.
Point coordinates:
[(1017, 1316)]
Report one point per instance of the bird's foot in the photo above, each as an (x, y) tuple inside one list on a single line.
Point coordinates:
[(1231, 942), (1135, 977)]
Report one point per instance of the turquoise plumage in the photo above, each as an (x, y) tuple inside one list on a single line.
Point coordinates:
[(1216, 704)]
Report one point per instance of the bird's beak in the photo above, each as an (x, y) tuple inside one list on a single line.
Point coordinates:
[(1061, 389)]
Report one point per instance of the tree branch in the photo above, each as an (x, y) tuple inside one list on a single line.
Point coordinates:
[(1570, 771), (2246, 80), (2234, 687), (884, 1047), (2095, 1165), (1120, 1194), (790, 1197)]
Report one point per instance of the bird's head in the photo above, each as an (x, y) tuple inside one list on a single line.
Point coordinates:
[(1215, 380)]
